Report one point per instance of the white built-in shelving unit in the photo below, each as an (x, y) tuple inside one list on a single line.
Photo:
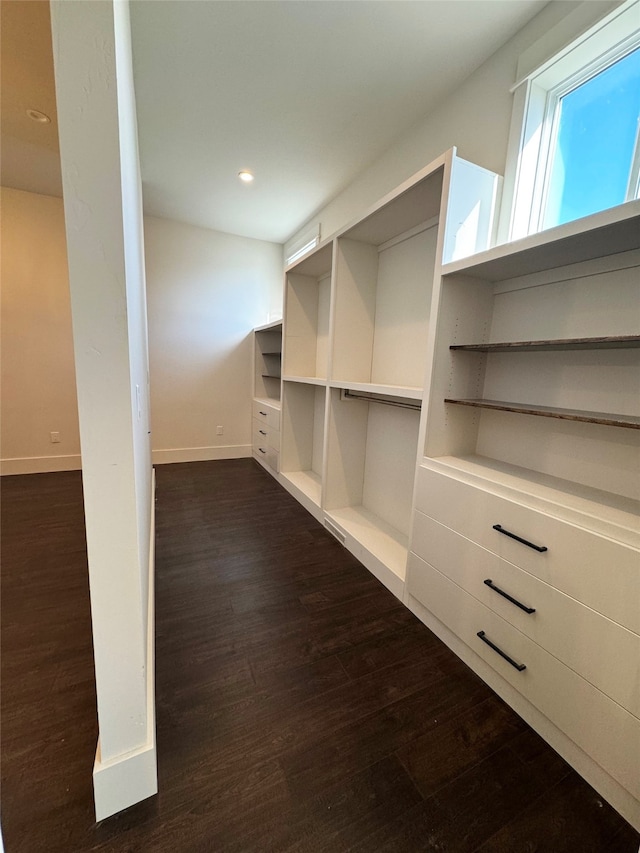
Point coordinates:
[(267, 373), (525, 541), (356, 329), (466, 420)]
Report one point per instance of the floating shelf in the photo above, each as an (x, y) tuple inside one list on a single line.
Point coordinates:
[(610, 342), (605, 418)]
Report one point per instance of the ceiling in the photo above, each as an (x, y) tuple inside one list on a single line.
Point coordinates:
[(304, 93)]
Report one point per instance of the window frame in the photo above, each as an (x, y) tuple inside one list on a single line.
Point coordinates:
[(534, 125)]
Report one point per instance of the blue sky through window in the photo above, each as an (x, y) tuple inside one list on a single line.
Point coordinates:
[(596, 139)]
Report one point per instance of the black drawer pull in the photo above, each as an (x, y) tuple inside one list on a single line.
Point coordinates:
[(263, 413), (262, 432), (506, 595), (485, 639), (261, 450), (501, 529)]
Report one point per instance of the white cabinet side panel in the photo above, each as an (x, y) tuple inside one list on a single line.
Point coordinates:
[(403, 300), (392, 442), (354, 316)]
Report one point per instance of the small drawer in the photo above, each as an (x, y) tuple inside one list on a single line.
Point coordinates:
[(266, 413), (260, 432), (598, 725), (603, 652), (589, 567), (267, 455)]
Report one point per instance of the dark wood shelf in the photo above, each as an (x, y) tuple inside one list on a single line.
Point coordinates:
[(605, 418), (609, 342)]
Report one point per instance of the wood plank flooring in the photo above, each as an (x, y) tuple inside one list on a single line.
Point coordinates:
[(300, 707)]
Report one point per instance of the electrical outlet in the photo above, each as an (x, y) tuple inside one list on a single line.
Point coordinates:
[(219, 430), (55, 437)]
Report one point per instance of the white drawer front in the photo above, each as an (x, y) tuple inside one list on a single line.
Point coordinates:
[(601, 573), (264, 435), (266, 414), (260, 433), (598, 649), (267, 455), (601, 727)]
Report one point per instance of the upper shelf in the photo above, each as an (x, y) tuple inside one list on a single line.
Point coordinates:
[(609, 342), (411, 204), (273, 326), (316, 264), (606, 233)]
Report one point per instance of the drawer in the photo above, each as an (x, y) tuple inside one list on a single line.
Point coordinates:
[(266, 413), (599, 726), (599, 572), (599, 650), (267, 455), (264, 435)]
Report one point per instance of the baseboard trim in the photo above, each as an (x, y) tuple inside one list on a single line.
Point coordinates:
[(130, 778), (200, 454), (40, 464)]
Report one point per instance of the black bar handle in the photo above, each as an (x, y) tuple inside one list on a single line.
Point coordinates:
[(261, 450), (485, 639), (262, 432), (501, 529), (263, 413), (506, 595)]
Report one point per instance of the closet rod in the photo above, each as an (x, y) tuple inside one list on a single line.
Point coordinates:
[(349, 395)]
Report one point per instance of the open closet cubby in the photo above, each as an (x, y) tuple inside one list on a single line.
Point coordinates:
[(303, 415), (307, 301), (384, 276), (371, 458), (267, 361)]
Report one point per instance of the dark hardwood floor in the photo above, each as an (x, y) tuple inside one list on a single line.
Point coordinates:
[(300, 706)]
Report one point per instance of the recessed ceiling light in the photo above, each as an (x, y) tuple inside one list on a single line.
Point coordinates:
[(36, 115), (245, 176)]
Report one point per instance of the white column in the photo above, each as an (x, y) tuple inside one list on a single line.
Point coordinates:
[(103, 215)]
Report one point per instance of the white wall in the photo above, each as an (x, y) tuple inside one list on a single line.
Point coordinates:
[(475, 118), (206, 290), (38, 373), (103, 215)]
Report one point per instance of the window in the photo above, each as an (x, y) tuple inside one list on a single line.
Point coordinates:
[(578, 129)]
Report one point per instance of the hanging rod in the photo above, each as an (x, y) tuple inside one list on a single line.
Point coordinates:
[(345, 394)]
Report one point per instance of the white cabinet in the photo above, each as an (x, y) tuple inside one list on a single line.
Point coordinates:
[(525, 544), (470, 430)]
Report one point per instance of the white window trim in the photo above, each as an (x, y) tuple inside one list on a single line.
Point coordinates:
[(538, 89)]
